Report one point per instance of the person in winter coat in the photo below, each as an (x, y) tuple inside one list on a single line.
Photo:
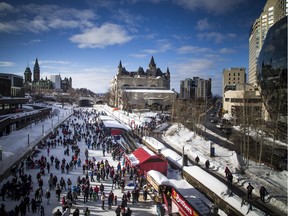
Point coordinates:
[(47, 196), (58, 213), (263, 193), (58, 192), (103, 200), (118, 210), (3, 192), (249, 191), (27, 202), (101, 188), (128, 212), (22, 208), (76, 212), (87, 212), (197, 159), (207, 164), (145, 193), (3, 210), (230, 178), (122, 185), (227, 171), (33, 205)]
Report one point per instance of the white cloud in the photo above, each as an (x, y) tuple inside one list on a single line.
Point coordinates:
[(203, 24), (197, 67), (106, 35), (138, 55), (193, 50), (226, 51), (162, 46), (31, 42), (217, 37), (150, 51), (4, 7), (6, 64), (40, 18), (95, 79), (211, 6), (54, 62)]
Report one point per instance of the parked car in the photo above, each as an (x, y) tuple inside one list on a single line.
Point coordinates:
[(219, 125), (213, 120), (227, 130)]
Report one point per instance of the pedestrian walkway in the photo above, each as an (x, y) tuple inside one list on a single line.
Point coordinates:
[(75, 125)]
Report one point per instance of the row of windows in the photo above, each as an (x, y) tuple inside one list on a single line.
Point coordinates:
[(241, 100), (234, 78), (6, 107), (234, 74)]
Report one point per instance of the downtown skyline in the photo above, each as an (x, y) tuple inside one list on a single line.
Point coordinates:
[(86, 40)]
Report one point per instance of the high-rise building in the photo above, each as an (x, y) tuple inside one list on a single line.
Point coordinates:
[(272, 77), (56, 81), (195, 88), (232, 77), (273, 11)]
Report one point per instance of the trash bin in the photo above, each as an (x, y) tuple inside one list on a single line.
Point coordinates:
[(212, 151), (185, 160)]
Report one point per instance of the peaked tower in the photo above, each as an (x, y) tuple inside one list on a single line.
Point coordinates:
[(27, 75), (36, 71), (120, 67), (152, 64)]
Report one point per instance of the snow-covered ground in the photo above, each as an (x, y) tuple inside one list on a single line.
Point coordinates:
[(16, 143), (194, 145)]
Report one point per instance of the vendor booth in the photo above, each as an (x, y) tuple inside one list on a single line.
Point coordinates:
[(177, 196), (112, 126), (145, 160)]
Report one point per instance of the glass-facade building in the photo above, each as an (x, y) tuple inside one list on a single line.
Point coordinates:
[(272, 74)]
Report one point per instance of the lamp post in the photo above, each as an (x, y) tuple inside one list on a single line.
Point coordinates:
[(42, 129), (184, 157), (28, 139)]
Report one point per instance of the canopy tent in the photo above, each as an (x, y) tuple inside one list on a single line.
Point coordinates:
[(105, 118), (113, 127), (186, 199), (145, 160)]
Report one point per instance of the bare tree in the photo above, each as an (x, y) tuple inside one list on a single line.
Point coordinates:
[(126, 97)]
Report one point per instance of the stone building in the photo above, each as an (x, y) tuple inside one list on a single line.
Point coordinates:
[(142, 89), (40, 84)]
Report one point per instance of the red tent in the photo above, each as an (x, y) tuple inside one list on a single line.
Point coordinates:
[(146, 160)]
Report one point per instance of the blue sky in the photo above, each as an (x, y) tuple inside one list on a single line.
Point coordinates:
[(86, 39)]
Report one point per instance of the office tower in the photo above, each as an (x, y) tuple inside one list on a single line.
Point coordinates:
[(273, 11)]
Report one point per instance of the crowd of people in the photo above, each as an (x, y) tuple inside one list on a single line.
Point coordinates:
[(96, 183)]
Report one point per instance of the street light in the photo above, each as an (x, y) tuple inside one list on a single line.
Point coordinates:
[(28, 139), (42, 129)]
